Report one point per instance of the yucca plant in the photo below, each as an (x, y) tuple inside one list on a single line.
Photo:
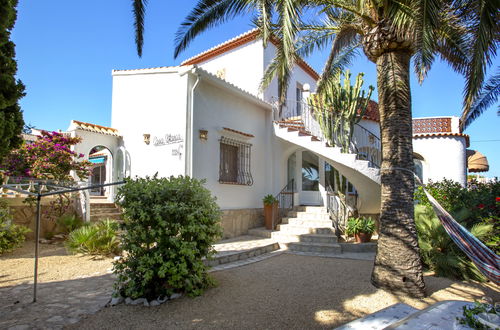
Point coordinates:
[(439, 252), (69, 222), (99, 238)]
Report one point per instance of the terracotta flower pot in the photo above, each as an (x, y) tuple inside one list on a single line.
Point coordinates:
[(270, 211), (363, 237)]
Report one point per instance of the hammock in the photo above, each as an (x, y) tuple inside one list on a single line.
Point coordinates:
[(486, 260)]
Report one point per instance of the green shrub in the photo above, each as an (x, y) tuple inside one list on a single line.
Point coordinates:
[(439, 253), (69, 223), (170, 225), (474, 205), (100, 238), (11, 236), (269, 200), (359, 225)]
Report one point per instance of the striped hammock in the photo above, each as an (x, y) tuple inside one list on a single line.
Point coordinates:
[(487, 261)]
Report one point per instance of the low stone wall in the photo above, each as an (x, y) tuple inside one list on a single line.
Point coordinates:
[(237, 222), (24, 214)]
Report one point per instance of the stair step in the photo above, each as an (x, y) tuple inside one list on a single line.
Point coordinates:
[(309, 215), (117, 216), (102, 205), (359, 247), (317, 238), (301, 230), (381, 319), (297, 126), (310, 209), (307, 222), (241, 255), (332, 248)]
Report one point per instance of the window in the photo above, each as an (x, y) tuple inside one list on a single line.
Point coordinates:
[(234, 165), (298, 98)]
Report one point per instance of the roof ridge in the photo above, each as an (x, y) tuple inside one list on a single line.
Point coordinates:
[(237, 41)]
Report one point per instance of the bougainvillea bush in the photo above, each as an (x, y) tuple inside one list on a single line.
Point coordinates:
[(170, 225), (49, 157)]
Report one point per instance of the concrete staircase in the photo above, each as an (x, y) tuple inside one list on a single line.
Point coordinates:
[(101, 209), (306, 229), (366, 179)]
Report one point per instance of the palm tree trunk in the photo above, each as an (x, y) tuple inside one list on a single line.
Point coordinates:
[(397, 267)]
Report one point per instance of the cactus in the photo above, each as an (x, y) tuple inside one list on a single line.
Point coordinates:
[(338, 107)]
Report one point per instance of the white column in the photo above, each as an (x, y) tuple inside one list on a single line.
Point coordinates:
[(322, 184)]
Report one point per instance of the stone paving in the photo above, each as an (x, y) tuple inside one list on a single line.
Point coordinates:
[(58, 303), (63, 302)]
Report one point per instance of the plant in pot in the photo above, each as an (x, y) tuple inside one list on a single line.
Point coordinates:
[(270, 210), (361, 227)]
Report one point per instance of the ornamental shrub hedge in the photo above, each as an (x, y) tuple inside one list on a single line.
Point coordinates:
[(170, 225)]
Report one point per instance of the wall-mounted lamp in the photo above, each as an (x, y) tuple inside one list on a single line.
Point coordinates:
[(147, 138), (203, 134)]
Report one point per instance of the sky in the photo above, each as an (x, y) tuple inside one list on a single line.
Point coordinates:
[(66, 51)]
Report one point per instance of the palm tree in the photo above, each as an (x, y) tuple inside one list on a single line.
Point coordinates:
[(390, 33)]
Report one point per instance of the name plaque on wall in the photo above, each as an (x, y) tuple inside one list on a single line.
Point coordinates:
[(167, 139)]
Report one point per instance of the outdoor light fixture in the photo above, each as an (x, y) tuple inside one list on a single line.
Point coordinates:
[(203, 134), (147, 138)]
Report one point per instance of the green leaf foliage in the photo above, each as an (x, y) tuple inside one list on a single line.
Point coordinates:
[(170, 226), (100, 238), (439, 252), (69, 222), (11, 236), (11, 90), (269, 200), (473, 205), (360, 225)]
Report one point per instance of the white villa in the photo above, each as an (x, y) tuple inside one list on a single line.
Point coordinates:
[(208, 119)]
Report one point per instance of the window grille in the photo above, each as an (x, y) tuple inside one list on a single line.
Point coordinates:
[(235, 160)]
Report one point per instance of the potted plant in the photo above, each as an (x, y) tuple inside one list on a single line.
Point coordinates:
[(362, 228), (270, 210)]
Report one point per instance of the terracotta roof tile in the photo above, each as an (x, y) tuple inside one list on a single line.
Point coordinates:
[(372, 112), (238, 132), (95, 128)]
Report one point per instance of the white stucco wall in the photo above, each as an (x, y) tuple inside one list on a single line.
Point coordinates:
[(151, 101), (298, 76), (444, 158), (214, 108), (242, 65)]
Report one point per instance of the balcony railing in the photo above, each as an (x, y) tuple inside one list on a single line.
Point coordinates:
[(363, 143)]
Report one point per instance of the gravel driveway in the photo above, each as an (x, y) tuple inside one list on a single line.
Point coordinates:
[(284, 292)]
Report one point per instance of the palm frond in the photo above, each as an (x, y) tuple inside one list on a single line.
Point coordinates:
[(264, 19), (139, 9), (485, 32), (453, 41), (205, 15), (427, 22), (487, 97), (337, 65)]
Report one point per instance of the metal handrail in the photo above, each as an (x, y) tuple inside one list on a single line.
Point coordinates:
[(338, 213), (285, 200), (364, 143)]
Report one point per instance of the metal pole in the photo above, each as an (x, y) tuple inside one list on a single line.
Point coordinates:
[(37, 234)]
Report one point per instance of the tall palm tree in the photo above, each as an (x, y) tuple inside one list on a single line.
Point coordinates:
[(391, 33)]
